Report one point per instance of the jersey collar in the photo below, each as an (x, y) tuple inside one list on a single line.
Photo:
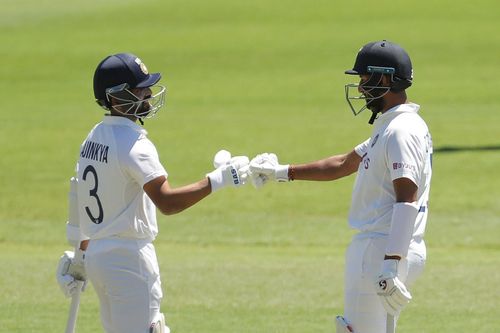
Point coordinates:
[(392, 112), (122, 121)]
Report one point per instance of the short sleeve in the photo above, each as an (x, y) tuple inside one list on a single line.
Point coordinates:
[(362, 148), (143, 162), (404, 155)]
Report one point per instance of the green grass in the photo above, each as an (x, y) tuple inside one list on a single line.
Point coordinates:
[(250, 77)]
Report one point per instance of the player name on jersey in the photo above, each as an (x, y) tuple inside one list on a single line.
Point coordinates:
[(95, 151)]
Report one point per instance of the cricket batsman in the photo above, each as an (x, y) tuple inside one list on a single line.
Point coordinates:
[(390, 199), (119, 183)]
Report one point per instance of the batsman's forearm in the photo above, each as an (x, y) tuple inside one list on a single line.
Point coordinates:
[(178, 199), (327, 169)]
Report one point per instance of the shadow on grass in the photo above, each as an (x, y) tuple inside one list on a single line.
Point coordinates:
[(455, 149)]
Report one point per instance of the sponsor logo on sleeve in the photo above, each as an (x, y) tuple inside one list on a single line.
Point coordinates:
[(403, 165)]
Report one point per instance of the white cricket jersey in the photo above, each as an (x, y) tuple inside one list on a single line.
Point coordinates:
[(116, 160), (400, 147)]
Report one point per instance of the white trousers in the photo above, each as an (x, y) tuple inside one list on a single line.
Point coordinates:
[(364, 256), (126, 278)]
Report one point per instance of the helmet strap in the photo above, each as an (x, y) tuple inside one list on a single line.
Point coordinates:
[(373, 117)]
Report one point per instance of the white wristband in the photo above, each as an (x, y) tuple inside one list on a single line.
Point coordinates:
[(216, 179), (404, 215), (282, 173)]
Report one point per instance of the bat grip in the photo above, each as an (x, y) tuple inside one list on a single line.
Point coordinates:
[(73, 310), (390, 324)]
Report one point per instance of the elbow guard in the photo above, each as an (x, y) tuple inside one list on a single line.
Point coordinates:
[(404, 215), (74, 235), (73, 217), (73, 232)]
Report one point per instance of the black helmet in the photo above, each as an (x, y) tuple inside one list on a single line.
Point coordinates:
[(122, 68), (377, 59), (384, 57), (116, 75)]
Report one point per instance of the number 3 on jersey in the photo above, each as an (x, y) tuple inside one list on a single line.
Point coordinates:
[(93, 193)]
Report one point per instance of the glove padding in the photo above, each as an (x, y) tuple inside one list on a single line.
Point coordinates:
[(71, 272), (229, 172), (392, 292), (265, 167)]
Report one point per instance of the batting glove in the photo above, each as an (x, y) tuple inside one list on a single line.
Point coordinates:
[(265, 167), (392, 292), (70, 270), (233, 172)]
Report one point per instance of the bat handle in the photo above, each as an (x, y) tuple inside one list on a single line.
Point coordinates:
[(390, 324), (73, 310)]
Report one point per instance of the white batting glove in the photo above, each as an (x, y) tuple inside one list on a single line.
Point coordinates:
[(392, 292), (70, 270), (265, 167), (230, 171)]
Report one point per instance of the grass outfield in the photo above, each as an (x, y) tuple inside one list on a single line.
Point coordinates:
[(251, 77)]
